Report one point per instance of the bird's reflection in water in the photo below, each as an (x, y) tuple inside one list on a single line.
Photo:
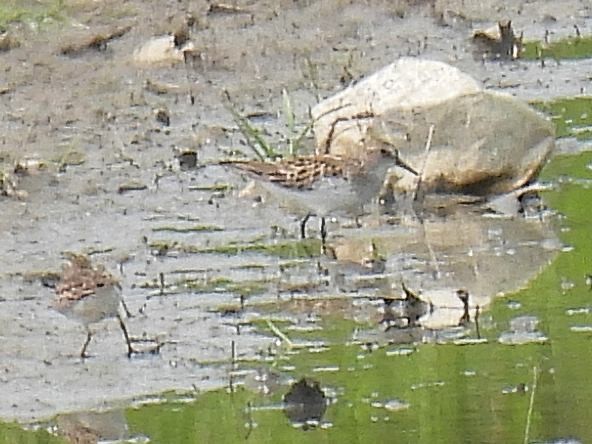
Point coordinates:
[(404, 312), (93, 427)]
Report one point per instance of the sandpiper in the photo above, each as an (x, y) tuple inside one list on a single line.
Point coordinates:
[(499, 42), (88, 293), (325, 184)]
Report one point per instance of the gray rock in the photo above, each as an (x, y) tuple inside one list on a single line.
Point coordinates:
[(459, 137)]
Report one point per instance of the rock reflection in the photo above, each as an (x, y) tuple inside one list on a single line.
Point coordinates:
[(451, 267), (523, 330), (405, 312), (421, 279), (305, 404), (355, 273)]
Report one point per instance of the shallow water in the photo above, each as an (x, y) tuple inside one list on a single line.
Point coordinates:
[(525, 363)]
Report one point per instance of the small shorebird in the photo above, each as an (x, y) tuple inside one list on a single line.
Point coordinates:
[(323, 185), (499, 42), (88, 293)]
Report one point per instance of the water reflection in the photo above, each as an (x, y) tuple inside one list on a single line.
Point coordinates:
[(523, 330), (93, 427), (449, 268), (305, 404), (416, 279), (404, 312)]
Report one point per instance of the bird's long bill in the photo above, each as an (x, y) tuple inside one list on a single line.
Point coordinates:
[(402, 164)]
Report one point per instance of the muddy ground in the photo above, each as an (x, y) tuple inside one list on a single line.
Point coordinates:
[(111, 182)]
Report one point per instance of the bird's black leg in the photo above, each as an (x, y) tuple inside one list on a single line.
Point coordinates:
[(463, 295), (323, 235), (127, 312), (128, 340), (83, 354), (303, 226), (130, 350)]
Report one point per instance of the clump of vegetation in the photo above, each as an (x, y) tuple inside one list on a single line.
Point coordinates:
[(189, 229), (305, 248), (255, 138)]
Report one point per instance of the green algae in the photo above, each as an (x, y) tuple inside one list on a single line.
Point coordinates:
[(571, 48), (572, 116)]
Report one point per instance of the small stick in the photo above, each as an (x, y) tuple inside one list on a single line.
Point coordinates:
[(230, 383), (250, 423), (360, 116), (279, 334), (477, 313), (323, 236), (190, 94), (232, 367), (433, 257), (535, 374), (233, 353), (578, 33), (428, 147)]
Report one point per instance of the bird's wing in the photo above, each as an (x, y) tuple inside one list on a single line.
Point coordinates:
[(299, 172)]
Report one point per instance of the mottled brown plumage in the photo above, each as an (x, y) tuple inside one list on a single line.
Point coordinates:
[(80, 279), (324, 184), (300, 172)]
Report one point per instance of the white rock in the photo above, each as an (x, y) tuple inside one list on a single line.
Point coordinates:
[(482, 142), (160, 50)]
